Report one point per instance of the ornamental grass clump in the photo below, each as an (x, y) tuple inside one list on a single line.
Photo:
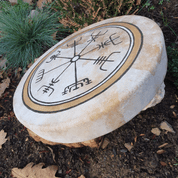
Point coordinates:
[(24, 37)]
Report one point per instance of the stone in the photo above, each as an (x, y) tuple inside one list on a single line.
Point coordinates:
[(33, 13), (82, 176), (156, 131), (166, 126), (94, 81), (123, 150)]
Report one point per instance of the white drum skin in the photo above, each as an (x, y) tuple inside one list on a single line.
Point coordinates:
[(100, 107)]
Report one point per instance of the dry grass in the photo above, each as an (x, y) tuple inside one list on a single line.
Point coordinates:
[(77, 14)]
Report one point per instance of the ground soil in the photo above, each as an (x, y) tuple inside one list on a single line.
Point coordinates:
[(115, 160)]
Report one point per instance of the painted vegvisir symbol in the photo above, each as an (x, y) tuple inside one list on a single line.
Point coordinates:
[(82, 67)]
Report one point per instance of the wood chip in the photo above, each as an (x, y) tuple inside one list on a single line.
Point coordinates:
[(175, 115), (160, 152), (53, 155), (172, 106), (105, 143), (163, 145), (142, 135), (135, 139)]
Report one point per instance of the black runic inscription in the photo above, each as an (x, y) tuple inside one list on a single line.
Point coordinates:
[(73, 45), (40, 75), (77, 85), (49, 88), (94, 37), (53, 57), (109, 42), (101, 60)]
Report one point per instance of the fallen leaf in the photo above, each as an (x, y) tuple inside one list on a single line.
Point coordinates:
[(31, 171), (2, 138), (163, 163), (162, 145), (160, 152), (4, 85)]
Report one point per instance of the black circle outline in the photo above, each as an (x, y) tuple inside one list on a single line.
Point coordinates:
[(78, 96)]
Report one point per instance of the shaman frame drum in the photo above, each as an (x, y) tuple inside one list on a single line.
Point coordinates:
[(94, 81)]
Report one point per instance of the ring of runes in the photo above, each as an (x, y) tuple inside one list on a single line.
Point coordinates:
[(93, 81), (82, 67)]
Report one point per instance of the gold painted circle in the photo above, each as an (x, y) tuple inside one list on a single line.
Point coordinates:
[(42, 108)]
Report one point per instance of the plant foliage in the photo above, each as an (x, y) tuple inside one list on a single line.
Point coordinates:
[(23, 37), (173, 62), (77, 14)]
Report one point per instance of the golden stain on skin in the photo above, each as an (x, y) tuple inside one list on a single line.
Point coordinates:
[(110, 114), (146, 63)]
